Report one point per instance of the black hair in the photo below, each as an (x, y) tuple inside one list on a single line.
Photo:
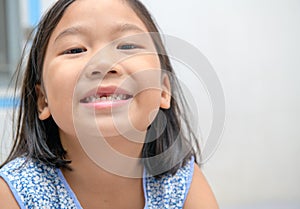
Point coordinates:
[(40, 140)]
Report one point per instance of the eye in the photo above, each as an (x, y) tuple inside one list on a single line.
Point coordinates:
[(128, 46), (75, 51)]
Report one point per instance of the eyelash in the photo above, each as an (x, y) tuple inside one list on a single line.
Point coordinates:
[(75, 51), (128, 47), (121, 47)]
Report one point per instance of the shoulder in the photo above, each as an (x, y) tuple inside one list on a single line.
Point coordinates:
[(34, 184), (7, 199), (24, 180), (169, 191), (22, 171), (200, 195)]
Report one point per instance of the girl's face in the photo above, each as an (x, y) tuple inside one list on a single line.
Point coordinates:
[(101, 70)]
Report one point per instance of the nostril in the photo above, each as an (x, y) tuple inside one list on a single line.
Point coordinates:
[(113, 71), (96, 73)]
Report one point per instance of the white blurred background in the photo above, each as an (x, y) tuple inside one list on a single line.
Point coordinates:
[(254, 47)]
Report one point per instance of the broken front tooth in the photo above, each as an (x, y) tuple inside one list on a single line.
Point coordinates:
[(103, 98)]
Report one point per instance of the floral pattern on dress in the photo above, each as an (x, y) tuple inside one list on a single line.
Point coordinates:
[(169, 191), (36, 185)]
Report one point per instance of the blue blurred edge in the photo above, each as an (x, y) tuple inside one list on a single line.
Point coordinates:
[(8, 102), (34, 12)]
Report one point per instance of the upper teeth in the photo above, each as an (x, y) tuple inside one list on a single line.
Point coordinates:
[(112, 97)]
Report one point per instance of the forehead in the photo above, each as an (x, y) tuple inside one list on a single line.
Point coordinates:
[(104, 13)]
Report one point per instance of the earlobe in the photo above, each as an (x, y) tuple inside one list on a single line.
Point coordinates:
[(42, 103), (44, 114), (165, 102)]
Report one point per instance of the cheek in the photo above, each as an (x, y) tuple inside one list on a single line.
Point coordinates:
[(144, 108), (60, 87), (141, 62), (60, 104), (145, 105)]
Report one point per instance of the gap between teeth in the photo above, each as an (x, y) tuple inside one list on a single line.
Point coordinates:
[(114, 97)]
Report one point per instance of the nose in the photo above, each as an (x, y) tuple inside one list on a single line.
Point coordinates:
[(101, 66), (101, 70)]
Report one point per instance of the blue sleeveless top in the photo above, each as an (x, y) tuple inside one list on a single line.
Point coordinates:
[(36, 185)]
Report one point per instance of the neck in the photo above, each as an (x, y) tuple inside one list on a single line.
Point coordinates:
[(91, 178), (111, 158)]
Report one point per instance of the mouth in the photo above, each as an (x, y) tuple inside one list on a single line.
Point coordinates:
[(106, 97)]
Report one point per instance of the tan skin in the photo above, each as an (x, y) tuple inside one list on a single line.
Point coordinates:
[(94, 186)]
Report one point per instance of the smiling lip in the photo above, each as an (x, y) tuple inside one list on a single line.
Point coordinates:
[(106, 97)]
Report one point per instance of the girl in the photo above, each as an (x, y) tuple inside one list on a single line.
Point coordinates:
[(92, 122)]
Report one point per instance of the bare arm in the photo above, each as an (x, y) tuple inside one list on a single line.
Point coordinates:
[(200, 195), (7, 199)]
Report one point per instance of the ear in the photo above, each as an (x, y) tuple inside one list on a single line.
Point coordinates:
[(165, 101), (42, 103)]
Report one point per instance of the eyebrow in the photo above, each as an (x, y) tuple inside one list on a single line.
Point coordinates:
[(120, 28), (128, 27), (69, 31)]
